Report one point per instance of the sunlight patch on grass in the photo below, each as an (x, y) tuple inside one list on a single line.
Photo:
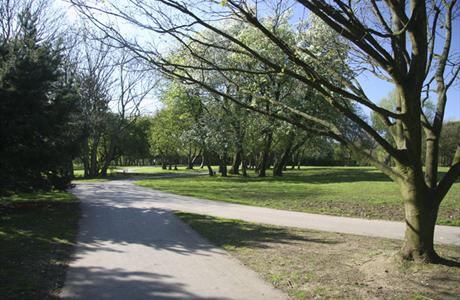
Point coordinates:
[(343, 191), (56, 196), (37, 234)]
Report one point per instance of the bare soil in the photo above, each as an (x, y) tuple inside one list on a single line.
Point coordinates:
[(318, 265)]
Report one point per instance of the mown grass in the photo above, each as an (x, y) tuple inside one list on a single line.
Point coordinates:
[(124, 172), (159, 170), (37, 233), (54, 196), (344, 191), (309, 264)]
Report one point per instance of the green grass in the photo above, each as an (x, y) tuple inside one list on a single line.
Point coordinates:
[(123, 172), (79, 173), (37, 233), (344, 191), (55, 196), (308, 264), (159, 170)]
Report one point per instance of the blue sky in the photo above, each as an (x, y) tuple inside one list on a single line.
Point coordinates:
[(375, 88)]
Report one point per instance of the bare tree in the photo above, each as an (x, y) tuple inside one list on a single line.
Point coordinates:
[(131, 87), (49, 19)]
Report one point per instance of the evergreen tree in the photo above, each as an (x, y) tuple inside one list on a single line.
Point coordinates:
[(35, 110)]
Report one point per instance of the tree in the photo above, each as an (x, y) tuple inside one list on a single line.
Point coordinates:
[(450, 136), (35, 110), (165, 133), (111, 89), (134, 143), (407, 44)]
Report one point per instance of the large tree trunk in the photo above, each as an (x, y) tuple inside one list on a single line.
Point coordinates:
[(421, 211)]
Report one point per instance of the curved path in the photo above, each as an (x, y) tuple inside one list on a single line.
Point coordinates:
[(129, 249), (146, 197), (131, 246)]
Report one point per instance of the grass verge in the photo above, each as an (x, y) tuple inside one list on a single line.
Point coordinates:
[(122, 173), (37, 233), (310, 264), (343, 191)]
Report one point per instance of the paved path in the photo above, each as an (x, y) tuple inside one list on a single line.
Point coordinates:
[(129, 249), (144, 197), (131, 246)]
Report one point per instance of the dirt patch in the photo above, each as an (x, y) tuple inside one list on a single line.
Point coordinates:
[(351, 267), (392, 212), (319, 265)]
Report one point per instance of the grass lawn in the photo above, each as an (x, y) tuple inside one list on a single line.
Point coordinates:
[(343, 191), (37, 232), (159, 170), (310, 264), (121, 172)]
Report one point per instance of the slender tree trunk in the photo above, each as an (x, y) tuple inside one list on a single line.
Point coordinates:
[(69, 169), (202, 161), (239, 137), (85, 165), (299, 159), (244, 167), (109, 157), (280, 163), (206, 161), (189, 163), (195, 158), (236, 162), (94, 168), (223, 165), (265, 155), (189, 158), (282, 160)]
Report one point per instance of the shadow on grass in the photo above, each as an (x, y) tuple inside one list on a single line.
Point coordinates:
[(134, 176), (315, 176), (35, 246), (312, 176), (235, 233)]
